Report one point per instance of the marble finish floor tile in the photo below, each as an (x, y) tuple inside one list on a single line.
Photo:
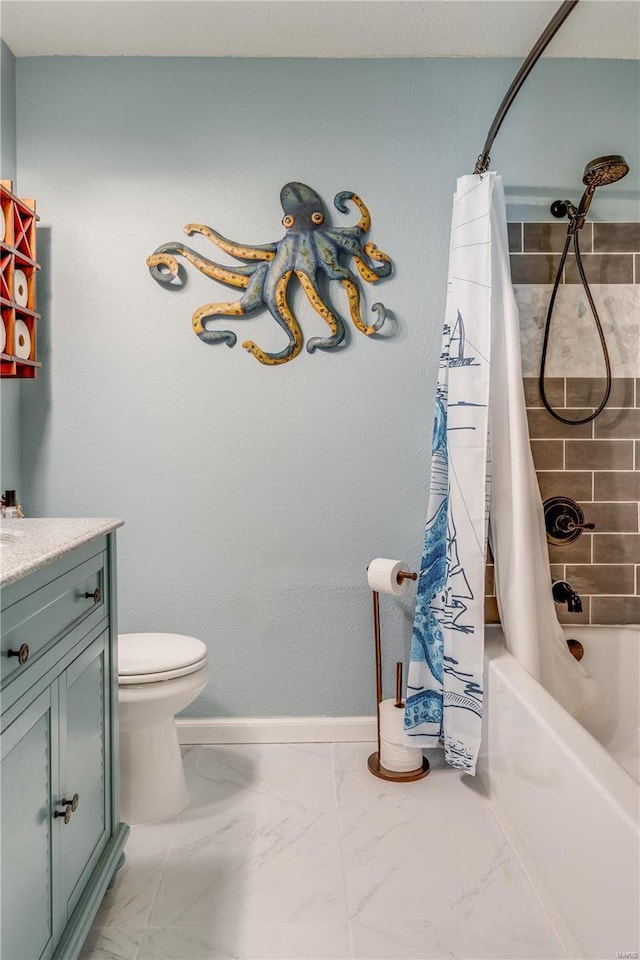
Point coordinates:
[(431, 850), (266, 941), (112, 943), (129, 901), (508, 940), (295, 852), (259, 843)]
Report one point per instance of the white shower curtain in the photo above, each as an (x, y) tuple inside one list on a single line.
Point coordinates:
[(517, 531), (480, 395)]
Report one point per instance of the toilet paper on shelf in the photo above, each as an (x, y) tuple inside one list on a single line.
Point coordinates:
[(21, 340), (382, 575), (3, 336), (394, 755), (20, 288)]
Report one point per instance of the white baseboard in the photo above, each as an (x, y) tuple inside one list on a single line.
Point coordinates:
[(276, 729)]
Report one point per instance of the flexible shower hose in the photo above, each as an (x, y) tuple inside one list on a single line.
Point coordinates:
[(573, 231)]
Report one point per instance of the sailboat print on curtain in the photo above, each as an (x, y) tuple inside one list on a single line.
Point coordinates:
[(444, 690)]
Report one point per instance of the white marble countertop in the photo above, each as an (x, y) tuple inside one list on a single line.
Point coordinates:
[(29, 544)]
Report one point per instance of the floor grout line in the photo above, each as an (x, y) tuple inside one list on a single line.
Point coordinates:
[(334, 747), (164, 867)]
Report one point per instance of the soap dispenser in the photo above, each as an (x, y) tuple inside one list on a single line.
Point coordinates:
[(10, 509)]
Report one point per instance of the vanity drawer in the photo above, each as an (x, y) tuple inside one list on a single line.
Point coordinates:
[(34, 622)]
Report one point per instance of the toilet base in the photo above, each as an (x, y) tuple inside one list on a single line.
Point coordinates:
[(152, 780)]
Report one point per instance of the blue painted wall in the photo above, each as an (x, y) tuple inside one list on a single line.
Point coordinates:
[(9, 390), (254, 497)]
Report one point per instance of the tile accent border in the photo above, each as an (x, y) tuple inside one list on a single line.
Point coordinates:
[(612, 265), (611, 252)]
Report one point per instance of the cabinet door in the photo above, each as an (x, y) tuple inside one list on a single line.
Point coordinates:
[(29, 770), (84, 761)]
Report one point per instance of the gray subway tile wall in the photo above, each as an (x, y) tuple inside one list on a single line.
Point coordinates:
[(553, 483), (599, 455), (616, 237), (548, 454), (601, 268), (589, 391), (597, 464)]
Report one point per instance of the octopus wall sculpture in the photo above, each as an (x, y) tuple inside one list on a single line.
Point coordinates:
[(310, 250)]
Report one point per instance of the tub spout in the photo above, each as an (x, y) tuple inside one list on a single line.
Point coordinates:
[(574, 604), (563, 592)]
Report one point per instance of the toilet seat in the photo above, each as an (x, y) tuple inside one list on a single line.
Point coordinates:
[(153, 657)]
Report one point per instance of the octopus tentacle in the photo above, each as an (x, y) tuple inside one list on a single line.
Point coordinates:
[(251, 299), (328, 257), (364, 224), (335, 321), (381, 310), (276, 300), (367, 270), (353, 295), (166, 256), (376, 254), (244, 251)]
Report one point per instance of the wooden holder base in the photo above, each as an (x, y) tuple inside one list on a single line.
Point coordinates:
[(376, 768)]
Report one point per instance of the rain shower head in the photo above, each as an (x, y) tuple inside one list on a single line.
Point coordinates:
[(604, 170)]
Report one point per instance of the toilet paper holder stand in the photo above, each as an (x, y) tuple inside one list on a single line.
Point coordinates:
[(375, 767)]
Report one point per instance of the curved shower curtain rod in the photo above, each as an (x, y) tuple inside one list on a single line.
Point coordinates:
[(549, 32)]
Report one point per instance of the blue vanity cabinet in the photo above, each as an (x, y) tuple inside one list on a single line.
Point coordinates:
[(61, 837), (84, 743), (28, 774)]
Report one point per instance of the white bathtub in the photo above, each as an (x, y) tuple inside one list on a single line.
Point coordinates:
[(568, 806)]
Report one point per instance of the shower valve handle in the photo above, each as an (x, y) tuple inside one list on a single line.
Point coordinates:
[(564, 520), (565, 523)]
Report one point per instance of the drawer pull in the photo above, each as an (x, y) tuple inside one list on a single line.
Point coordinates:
[(96, 596), (66, 813), (22, 654), (73, 803)]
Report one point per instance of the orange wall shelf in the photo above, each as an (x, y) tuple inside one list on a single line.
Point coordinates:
[(18, 269)]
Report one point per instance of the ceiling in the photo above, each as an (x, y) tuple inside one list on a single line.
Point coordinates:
[(316, 28)]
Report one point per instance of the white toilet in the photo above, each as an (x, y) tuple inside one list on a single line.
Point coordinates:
[(159, 674)]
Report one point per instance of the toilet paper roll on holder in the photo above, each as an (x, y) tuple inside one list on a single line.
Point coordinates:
[(375, 767)]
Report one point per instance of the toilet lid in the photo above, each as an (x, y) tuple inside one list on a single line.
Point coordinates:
[(144, 654)]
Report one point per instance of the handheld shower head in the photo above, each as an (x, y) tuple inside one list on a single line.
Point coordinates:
[(599, 173), (604, 170)]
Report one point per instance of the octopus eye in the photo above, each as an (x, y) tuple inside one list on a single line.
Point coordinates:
[(288, 221), (317, 217)]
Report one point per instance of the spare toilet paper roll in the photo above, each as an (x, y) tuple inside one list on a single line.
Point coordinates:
[(21, 340), (3, 336), (20, 288), (392, 723), (383, 575), (3, 226), (393, 755), (399, 759)]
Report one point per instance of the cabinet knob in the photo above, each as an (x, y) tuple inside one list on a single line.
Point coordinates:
[(22, 654), (96, 596), (66, 813), (73, 803)]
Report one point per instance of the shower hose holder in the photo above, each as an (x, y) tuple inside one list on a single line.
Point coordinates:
[(375, 767)]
